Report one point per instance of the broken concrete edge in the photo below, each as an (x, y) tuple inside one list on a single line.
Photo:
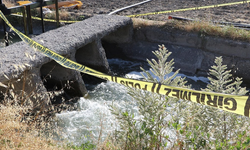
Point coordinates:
[(67, 41)]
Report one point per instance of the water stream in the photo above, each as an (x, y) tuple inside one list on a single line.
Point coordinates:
[(93, 114)]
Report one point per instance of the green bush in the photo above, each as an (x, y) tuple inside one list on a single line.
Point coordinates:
[(148, 131), (166, 122), (212, 128)]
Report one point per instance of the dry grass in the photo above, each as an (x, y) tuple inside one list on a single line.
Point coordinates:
[(138, 22), (15, 134), (24, 124), (216, 30), (200, 27), (64, 15)]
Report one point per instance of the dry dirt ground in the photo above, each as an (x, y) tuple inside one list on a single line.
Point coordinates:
[(234, 13)]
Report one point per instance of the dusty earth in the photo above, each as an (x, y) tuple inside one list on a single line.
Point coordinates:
[(235, 13)]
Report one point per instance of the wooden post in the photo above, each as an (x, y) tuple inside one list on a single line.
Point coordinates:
[(57, 13), (29, 19), (41, 12), (25, 21)]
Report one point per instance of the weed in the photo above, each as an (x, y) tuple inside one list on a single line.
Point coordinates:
[(163, 122), (209, 128), (149, 130)]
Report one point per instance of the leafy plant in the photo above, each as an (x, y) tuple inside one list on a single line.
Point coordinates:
[(207, 127), (148, 131), (163, 122)]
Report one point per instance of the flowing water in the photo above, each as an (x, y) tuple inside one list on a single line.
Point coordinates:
[(93, 119)]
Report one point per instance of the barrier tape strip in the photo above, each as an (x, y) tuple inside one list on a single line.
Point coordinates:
[(232, 103), (49, 20), (193, 8)]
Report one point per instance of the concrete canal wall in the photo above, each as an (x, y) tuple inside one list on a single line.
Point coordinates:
[(193, 53)]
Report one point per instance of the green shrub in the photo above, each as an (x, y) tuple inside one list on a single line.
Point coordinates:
[(211, 128), (148, 131), (166, 122)]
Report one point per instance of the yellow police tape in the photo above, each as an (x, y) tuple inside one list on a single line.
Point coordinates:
[(193, 8), (49, 20), (232, 103)]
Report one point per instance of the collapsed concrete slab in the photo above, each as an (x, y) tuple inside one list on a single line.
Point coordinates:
[(80, 42)]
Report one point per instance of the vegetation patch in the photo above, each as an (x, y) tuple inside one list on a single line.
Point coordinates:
[(201, 27), (170, 123)]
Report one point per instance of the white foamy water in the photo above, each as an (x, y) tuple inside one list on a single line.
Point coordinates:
[(93, 115), (137, 75)]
